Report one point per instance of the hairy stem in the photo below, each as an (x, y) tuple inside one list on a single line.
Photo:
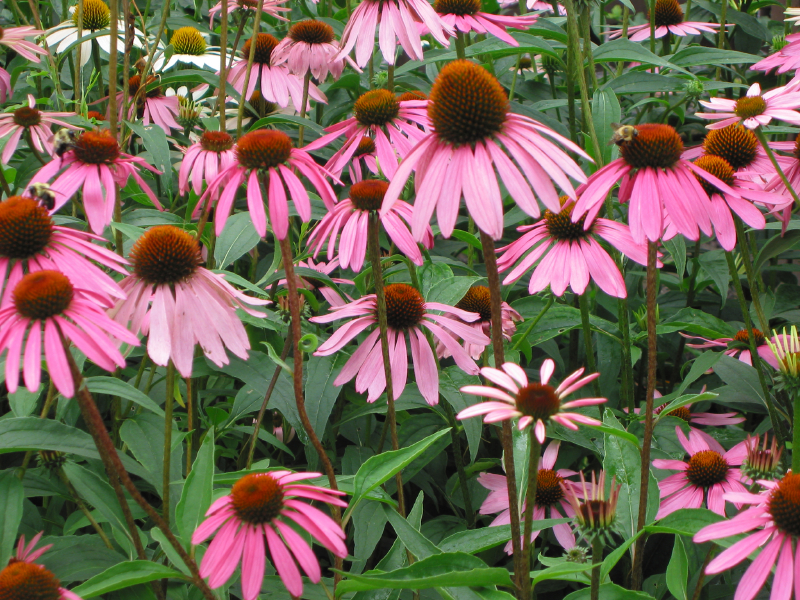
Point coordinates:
[(222, 92), (597, 558), (302, 130), (168, 401), (752, 276), (535, 450)]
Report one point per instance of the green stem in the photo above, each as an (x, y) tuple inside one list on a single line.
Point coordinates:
[(698, 588), (586, 22), (765, 144), (796, 434), (597, 558), (460, 49), (113, 6), (535, 450), (751, 275), (251, 57), (587, 339), (223, 67), (626, 13), (533, 323), (469, 513), (390, 78), (302, 130), (653, 26), (169, 398), (626, 389)]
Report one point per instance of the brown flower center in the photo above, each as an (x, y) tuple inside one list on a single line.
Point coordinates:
[(257, 498), (97, 116), (27, 117), (96, 15), (216, 141), (548, 488), (188, 40), (750, 106), (1, 33), (797, 148), (707, 468), (265, 44), (538, 400), (368, 195), (682, 412), (477, 300), (741, 336), (376, 107), (261, 106), (263, 149), (165, 254), (25, 227), (719, 168), (467, 103), (734, 143), (560, 226), (668, 12), (43, 294), (784, 504), (457, 7), (404, 306), (411, 95), (96, 147), (22, 580), (655, 145), (311, 31), (365, 146), (135, 82)]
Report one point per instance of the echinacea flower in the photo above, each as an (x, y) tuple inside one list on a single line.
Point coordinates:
[(711, 419), (351, 217), (393, 125), (23, 578), (179, 304), (657, 183), (755, 109), (272, 8), (706, 476), (276, 82), (792, 173), (786, 348), (310, 47), (477, 300), (189, 47), (192, 107), (468, 110), (309, 283), (204, 160), (366, 153), (394, 20), (786, 59), (268, 154), (595, 511), (739, 146), (763, 460), (30, 241), (573, 253), (5, 84), (268, 505), (739, 345), (534, 403), (541, 6), (466, 16), (668, 19), (47, 302), (34, 124), (94, 164), (14, 38), (407, 314), (772, 523), (152, 106), (550, 497)]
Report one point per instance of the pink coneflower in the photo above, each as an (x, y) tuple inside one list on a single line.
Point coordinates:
[(707, 475), (333, 298), (711, 419), (393, 125), (539, 5), (363, 157), (469, 112), (755, 109), (466, 16), (595, 511), (351, 217), (30, 241), (669, 19), (181, 304), (657, 183), (204, 160), (5, 84), (23, 578), (14, 38), (573, 254), (776, 185), (763, 460), (407, 313), (272, 8), (310, 47), (151, 106), (477, 300), (268, 505), (268, 154), (549, 497), (394, 20), (534, 403), (774, 514), (784, 60), (47, 301), (34, 124), (95, 164), (275, 81), (739, 345)]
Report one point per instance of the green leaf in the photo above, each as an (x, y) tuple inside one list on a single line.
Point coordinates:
[(605, 111), (701, 323), (683, 401), (450, 291), (715, 264), (698, 56), (775, 246), (739, 375), (677, 249), (23, 402), (610, 561), (116, 387), (197, 490), (609, 591), (155, 142), (468, 238), (626, 50), (678, 570), (748, 23), (451, 380), (699, 367), (640, 82), (416, 543), (321, 371), (620, 433), (11, 496), (454, 569), (125, 575), (144, 435), (478, 540), (97, 492), (238, 238), (566, 568), (687, 521)]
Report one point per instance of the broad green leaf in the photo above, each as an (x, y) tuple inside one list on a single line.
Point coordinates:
[(739, 375), (678, 570), (368, 523), (639, 82), (155, 142), (695, 56), (605, 111), (451, 380), (566, 568), (613, 558), (23, 402), (620, 433), (701, 323), (320, 372), (11, 497), (684, 400), (116, 387), (197, 490), (238, 238), (98, 493), (478, 540), (677, 249), (125, 575), (686, 521), (416, 543), (450, 291), (715, 264), (775, 246), (609, 591), (144, 435), (699, 367), (623, 49), (748, 23)]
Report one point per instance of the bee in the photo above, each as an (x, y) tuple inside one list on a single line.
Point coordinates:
[(622, 133), (63, 141), (43, 193)]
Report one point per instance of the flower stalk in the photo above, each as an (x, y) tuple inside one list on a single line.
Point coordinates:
[(597, 558), (250, 59), (169, 399), (535, 451)]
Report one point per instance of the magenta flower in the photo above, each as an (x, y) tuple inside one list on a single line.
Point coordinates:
[(268, 154), (407, 313), (204, 160), (263, 505), (771, 522), (755, 109), (32, 122), (469, 112), (657, 183), (151, 106), (5, 84), (669, 19), (711, 419), (47, 301), (363, 157), (14, 38), (534, 403), (30, 241), (573, 254), (393, 125), (466, 16), (272, 8), (180, 304), (539, 5), (739, 345), (776, 185), (708, 474), (333, 298), (94, 165), (549, 498), (395, 20), (22, 576), (275, 81), (784, 60), (351, 217), (310, 47)]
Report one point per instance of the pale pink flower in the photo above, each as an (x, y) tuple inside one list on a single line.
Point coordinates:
[(204, 160), (738, 345), (534, 403), (573, 254), (46, 301), (14, 38), (268, 154), (333, 298), (407, 314), (179, 304), (784, 60), (468, 110), (467, 16), (272, 8), (5, 84), (792, 173), (668, 19), (351, 217), (771, 522), (310, 47), (151, 106), (268, 505), (755, 109), (539, 5), (26, 575), (31, 121), (394, 20), (707, 475), (94, 165)]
